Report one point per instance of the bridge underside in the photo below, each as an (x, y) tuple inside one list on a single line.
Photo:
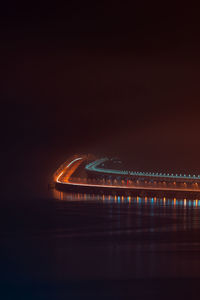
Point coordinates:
[(126, 192)]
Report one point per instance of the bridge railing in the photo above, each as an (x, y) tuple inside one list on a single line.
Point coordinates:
[(137, 184)]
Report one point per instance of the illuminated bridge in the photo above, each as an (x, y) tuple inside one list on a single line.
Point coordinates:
[(86, 173)]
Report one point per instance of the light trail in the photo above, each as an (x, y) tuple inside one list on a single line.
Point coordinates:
[(73, 161), (94, 167)]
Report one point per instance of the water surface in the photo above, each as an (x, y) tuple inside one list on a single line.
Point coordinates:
[(85, 246)]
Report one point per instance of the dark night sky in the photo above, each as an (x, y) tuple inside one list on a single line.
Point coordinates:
[(112, 77)]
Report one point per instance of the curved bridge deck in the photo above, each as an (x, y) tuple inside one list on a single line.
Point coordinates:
[(97, 179)]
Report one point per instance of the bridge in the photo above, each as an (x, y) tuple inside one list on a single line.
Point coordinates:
[(88, 174)]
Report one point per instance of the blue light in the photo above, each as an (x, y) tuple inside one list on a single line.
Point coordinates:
[(95, 166)]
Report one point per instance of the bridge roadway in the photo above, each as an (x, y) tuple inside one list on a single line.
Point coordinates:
[(95, 166), (64, 180)]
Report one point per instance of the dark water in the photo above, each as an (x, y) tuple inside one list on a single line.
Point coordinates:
[(73, 246)]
